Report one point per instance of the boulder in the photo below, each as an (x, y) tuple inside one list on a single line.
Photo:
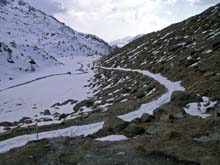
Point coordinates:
[(183, 97), (140, 94), (114, 124), (84, 103), (62, 116), (166, 118), (134, 130), (26, 120), (146, 118), (46, 112)]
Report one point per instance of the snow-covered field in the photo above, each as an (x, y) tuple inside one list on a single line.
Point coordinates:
[(31, 99)]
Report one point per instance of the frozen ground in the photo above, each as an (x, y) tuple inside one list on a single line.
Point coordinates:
[(31, 99)]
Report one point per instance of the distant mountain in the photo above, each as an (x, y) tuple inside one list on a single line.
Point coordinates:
[(124, 41), (30, 39)]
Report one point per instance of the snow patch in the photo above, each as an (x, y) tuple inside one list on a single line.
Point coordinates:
[(112, 138)]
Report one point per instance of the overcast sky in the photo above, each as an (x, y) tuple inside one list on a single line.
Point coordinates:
[(114, 19)]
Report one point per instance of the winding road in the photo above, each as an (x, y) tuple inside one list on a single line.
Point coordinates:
[(19, 141)]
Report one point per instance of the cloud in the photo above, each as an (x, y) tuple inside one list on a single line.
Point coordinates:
[(112, 19), (49, 6), (203, 2)]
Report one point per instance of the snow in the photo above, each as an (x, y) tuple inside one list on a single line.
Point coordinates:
[(35, 97), (124, 100), (209, 51), (199, 109), (85, 110), (19, 141), (189, 58), (166, 35), (105, 106), (31, 34), (151, 92), (150, 107), (112, 138), (196, 63), (2, 130)]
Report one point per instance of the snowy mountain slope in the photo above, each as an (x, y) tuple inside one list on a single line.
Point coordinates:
[(124, 41), (17, 59), (28, 35)]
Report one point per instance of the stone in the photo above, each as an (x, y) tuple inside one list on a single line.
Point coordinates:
[(114, 124), (166, 118), (179, 116), (181, 96), (140, 94), (26, 120), (46, 112), (134, 130), (146, 118), (62, 116)]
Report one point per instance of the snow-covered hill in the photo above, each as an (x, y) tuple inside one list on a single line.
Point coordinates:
[(30, 39), (124, 41)]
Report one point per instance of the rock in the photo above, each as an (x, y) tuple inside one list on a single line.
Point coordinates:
[(118, 99), (85, 115), (46, 112), (84, 103), (134, 129), (70, 101), (56, 114), (98, 76), (146, 118), (47, 119), (171, 135), (209, 74), (140, 94), (179, 116), (121, 153), (181, 96), (26, 120), (62, 116), (114, 124), (166, 118), (158, 112), (217, 109), (6, 124), (217, 112), (7, 128), (210, 160)]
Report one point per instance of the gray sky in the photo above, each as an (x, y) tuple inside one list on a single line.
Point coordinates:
[(114, 19)]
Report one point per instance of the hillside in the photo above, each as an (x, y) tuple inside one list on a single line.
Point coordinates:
[(30, 40), (186, 51)]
